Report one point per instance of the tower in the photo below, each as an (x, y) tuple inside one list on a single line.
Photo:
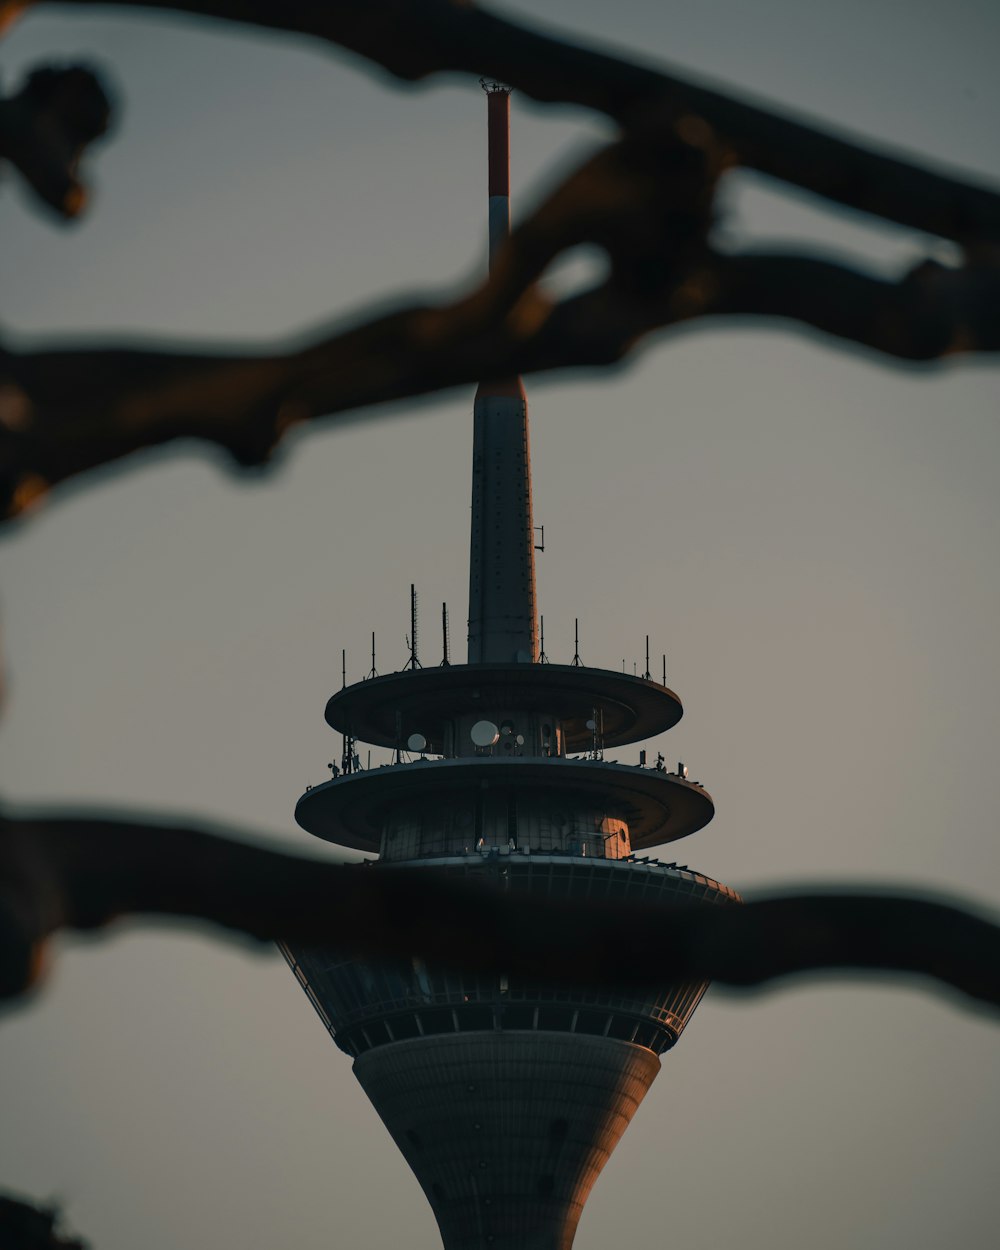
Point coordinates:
[(506, 1097)]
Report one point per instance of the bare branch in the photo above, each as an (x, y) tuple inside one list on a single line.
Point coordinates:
[(63, 412), (415, 40), (646, 200), (60, 873), (46, 127)]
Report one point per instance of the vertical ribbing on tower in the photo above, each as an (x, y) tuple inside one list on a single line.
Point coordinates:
[(502, 620)]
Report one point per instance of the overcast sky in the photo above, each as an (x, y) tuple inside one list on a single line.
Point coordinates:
[(809, 533)]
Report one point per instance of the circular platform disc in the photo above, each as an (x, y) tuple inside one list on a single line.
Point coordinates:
[(659, 806), (386, 710)]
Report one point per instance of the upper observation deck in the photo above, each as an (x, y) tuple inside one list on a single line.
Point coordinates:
[(386, 710)]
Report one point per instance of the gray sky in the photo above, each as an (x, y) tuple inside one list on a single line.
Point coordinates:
[(809, 533)]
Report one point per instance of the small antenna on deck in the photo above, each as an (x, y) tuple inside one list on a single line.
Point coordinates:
[(347, 749), (576, 642), (646, 673), (542, 657), (413, 662), (445, 637), (374, 672), (348, 755), (664, 670)]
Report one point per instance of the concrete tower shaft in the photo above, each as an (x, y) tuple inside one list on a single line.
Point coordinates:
[(502, 614)]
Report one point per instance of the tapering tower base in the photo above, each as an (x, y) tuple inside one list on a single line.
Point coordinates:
[(507, 1132)]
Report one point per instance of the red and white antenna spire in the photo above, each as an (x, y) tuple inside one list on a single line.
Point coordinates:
[(502, 621), (498, 131)]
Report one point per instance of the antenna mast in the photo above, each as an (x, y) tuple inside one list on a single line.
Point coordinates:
[(413, 662), (445, 637), (347, 748)]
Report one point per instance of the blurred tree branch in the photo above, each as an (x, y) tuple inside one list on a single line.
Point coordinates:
[(65, 411), (25, 1226), (414, 39), (646, 201), (45, 128), (73, 873)]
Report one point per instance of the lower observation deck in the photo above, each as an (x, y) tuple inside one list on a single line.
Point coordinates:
[(367, 1004), (658, 806)]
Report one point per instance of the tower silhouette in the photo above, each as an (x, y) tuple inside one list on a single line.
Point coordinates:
[(505, 1096)]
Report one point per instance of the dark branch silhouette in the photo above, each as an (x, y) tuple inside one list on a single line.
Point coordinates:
[(58, 873), (65, 411), (415, 40), (45, 129), (25, 1226), (646, 201)]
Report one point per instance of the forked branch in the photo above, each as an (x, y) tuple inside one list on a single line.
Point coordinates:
[(647, 201), (415, 39)]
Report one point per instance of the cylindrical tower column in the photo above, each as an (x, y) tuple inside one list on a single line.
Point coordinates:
[(502, 615)]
